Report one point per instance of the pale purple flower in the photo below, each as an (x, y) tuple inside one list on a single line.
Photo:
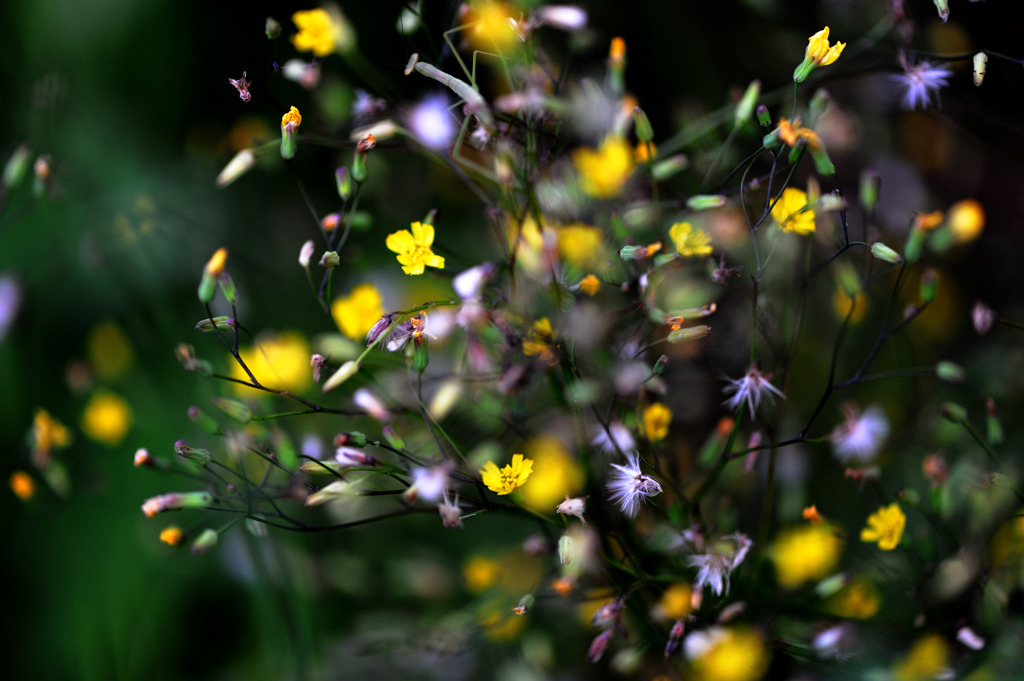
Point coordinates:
[(919, 81), (430, 484), (616, 438), (861, 435), (432, 123), (751, 388), (714, 568), (629, 486)]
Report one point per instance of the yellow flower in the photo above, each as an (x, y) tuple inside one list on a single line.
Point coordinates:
[(107, 418), (689, 241), (579, 244), (508, 479), (539, 341), (413, 249), (357, 313), (732, 655), (481, 573), (279, 361), (966, 220), (590, 285), (927, 221), (317, 32), (215, 265), (47, 433), (857, 600), (657, 419), (804, 553), (643, 154), (675, 603), (22, 484), (790, 214), (604, 171), (172, 536), (885, 526), (928, 656), (557, 474), (494, 27), (791, 133), (293, 116), (110, 351), (818, 53)]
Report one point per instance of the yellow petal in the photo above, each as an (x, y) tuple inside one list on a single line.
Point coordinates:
[(400, 241), (423, 234)]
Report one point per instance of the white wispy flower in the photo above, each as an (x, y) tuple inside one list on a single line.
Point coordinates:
[(751, 388), (429, 484), (629, 486), (919, 81), (451, 512), (714, 568), (861, 435), (617, 436), (432, 123)]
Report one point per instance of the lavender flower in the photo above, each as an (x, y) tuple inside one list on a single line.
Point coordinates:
[(861, 435), (919, 81), (714, 568), (629, 485), (751, 388)]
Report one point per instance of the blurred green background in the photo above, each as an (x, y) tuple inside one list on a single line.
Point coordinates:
[(130, 100)]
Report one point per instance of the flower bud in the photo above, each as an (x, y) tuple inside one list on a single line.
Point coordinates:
[(764, 118), (172, 535), (347, 371), (392, 437), (822, 163), (174, 501), (870, 186), (351, 438), (929, 285), (236, 411), (306, 252), (705, 201), (669, 167), (204, 542), (525, 603), (17, 166), (943, 8), (993, 425), (343, 181), (953, 412), (617, 65), (886, 254), (566, 549), (599, 644), (330, 260), (746, 104), (379, 327), (689, 333), (222, 323), (915, 242), (950, 372), (203, 420), (227, 287), (335, 490), (420, 360), (982, 316), (350, 456), (290, 123), (980, 63), (360, 170), (144, 458), (273, 28), (819, 103), (200, 456), (236, 167), (214, 268), (642, 125)]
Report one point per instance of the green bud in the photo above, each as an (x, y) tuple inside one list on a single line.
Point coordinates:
[(746, 104), (950, 372), (943, 7), (203, 420), (822, 163), (392, 437), (419, 355), (831, 585), (665, 258), (992, 423), (929, 285), (227, 287), (525, 603), (207, 287), (689, 333), (17, 166), (980, 64), (819, 103), (347, 371), (705, 201), (335, 490), (953, 412), (669, 167), (915, 242), (222, 323), (273, 28), (343, 182), (870, 186), (236, 411), (886, 254), (289, 134), (330, 260), (633, 252), (200, 456), (565, 549), (764, 118), (661, 365), (642, 125), (352, 438), (204, 542)]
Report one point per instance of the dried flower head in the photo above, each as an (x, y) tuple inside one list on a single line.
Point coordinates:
[(629, 485), (751, 388), (920, 81), (858, 438)]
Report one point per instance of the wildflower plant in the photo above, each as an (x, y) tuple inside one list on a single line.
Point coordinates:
[(556, 372)]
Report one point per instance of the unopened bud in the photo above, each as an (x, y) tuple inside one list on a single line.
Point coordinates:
[(689, 333), (669, 167), (993, 425), (392, 437), (222, 323), (330, 260), (236, 167), (350, 456), (599, 644), (200, 456), (227, 287), (819, 103), (822, 163), (144, 458), (420, 358), (705, 201), (525, 603), (886, 254), (566, 549), (764, 118), (237, 411), (306, 253), (17, 166), (929, 285), (642, 125), (950, 372), (351, 438), (273, 28), (980, 64), (175, 501), (661, 365), (982, 317), (203, 420), (360, 169), (747, 103), (870, 186), (943, 8), (343, 182), (347, 371), (214, 267), (953, 412), (335, 490), (204, 542)]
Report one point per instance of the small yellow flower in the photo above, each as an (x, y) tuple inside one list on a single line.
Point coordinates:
[(675, 603), (22, 484), (928, 656), (617, 52), (689, 241), (790, 214), (494, 27), (540, 342), (791, 133), (508, 479), (926, 221), (733, 655), (317, 32), (279, 361), (413, 249), (657, 419), (579, 244), (358, 312), (590, 285), (857, 600), (47, 433), (885, 526), (604, 171), (804, 553), (558, 474), (107, 418), (293, 116), (645, 152), (966, 220), (215, 265), (172, 536), (818, 53)]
